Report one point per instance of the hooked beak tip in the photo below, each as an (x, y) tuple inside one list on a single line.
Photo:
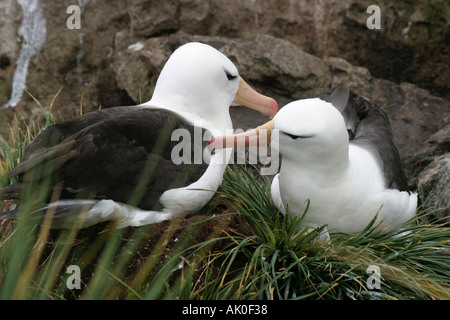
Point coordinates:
[(247, 96), (274, 107)]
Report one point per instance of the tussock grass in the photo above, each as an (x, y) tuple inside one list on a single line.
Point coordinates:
[(11, 152), (285, 263)]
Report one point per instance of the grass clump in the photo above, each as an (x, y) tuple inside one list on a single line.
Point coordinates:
[(280, 262)]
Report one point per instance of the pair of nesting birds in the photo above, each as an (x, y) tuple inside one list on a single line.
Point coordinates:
[(117, 163)]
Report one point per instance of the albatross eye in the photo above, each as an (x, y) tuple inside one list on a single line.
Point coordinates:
[(230, 76), (294, 137)]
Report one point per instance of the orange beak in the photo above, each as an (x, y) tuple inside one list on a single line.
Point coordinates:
[(248, 97), (256, 137)]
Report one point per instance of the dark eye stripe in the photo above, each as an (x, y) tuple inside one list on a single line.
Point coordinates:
[(294, 137), (230, 76)]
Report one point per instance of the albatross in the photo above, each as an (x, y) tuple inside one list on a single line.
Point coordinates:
[(118, 163), (337, 153)]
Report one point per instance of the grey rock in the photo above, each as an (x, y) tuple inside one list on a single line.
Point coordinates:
[(434, 189), (435, 146), (415, 113), (275, 67), (10, 18), (409, 31)]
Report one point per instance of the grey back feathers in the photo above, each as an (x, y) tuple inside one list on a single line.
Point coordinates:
[(339, 97), (369, 127)]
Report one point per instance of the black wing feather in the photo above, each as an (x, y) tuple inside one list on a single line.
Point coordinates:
[(55, 134), (119, 157)]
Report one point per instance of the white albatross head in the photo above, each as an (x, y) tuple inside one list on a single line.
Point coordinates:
[(199, 79), (310, 131)]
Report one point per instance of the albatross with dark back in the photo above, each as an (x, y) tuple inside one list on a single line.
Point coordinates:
[(122, 153)]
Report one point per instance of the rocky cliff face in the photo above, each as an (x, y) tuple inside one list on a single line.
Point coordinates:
[(286, 49)]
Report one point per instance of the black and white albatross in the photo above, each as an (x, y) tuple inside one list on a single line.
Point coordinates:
[(338, 152), (118, 163)]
